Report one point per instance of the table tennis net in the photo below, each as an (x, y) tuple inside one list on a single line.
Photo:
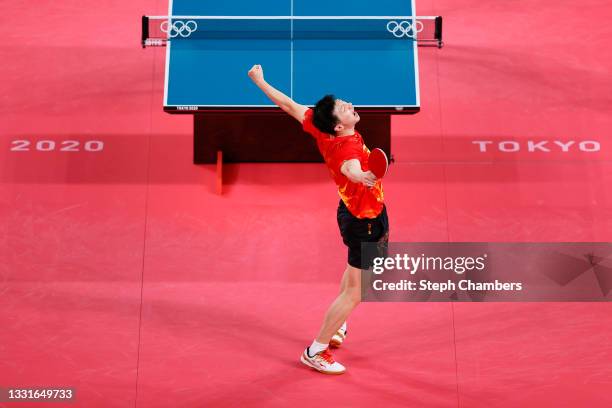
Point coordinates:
[(158, 30)]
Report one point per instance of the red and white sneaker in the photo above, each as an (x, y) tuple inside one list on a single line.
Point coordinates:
[(323, 362), (338, 338)]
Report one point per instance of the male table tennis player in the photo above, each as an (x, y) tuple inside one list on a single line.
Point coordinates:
[(362, 216)]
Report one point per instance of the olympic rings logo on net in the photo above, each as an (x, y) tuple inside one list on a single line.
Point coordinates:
[(182, 28), (404, 28)]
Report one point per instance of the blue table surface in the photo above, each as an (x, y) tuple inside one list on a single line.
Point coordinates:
[(369, 71)]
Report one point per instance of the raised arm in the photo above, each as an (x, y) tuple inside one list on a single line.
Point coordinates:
[(283, 101)]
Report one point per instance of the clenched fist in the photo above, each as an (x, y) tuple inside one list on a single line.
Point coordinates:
[(256, 73)]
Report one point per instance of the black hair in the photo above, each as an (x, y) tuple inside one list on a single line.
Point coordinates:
[(323, 117)]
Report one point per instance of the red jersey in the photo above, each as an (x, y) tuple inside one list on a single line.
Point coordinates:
[(361, 201)]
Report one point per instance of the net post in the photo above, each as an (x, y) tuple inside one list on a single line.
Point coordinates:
[(145, 31), (438, 32)]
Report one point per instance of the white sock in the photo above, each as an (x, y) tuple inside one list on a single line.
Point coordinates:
[(343, 327), (316, 347)]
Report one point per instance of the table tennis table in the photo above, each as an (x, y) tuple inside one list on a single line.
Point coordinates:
[(359, 51)]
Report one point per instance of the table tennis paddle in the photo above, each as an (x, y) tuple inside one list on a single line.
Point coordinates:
[(378, 162)]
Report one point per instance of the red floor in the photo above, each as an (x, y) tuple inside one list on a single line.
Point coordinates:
[(123, 274)]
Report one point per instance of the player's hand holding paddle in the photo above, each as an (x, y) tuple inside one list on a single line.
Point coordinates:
[(368, 179), (378, 164)]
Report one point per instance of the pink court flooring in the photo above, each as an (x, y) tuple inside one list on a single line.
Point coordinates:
[(125, 276)]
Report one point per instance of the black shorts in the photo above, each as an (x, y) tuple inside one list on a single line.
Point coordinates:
[(355, 230)]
